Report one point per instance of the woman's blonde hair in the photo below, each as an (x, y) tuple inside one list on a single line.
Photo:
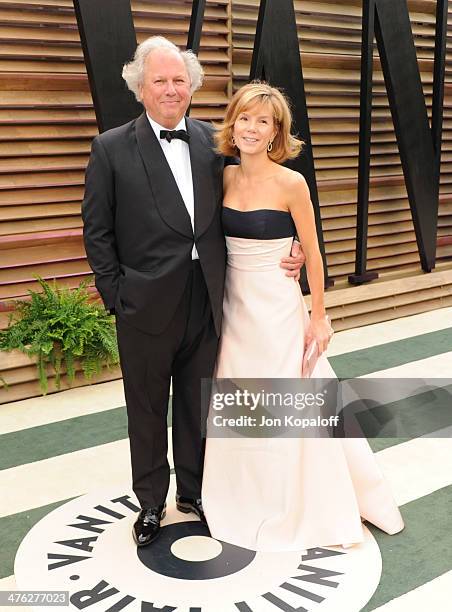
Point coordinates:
[(285, 146)]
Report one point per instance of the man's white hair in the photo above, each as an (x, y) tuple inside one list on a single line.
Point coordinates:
[(133, 72)]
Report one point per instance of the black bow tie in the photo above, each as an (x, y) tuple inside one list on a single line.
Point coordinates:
[(170, 134)]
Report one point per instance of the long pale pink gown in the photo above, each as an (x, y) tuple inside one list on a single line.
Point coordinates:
[(273, 494)]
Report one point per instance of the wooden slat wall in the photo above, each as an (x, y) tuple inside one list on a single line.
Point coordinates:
[(47, 123), (444, 244), (330, 40)]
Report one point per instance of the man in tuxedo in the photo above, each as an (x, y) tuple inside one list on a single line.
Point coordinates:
[(153, 237)]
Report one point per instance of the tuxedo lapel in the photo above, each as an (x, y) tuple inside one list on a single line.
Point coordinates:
[(163, 186), (202, 168)]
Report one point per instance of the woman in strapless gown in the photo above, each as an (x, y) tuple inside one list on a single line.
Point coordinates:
[(278, 494)]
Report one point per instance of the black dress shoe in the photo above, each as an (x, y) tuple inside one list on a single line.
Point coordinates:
[(187, 504), (147, 526)]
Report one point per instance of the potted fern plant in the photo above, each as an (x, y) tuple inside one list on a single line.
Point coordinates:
[(59, 327)]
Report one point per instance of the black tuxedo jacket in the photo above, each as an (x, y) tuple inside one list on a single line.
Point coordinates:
[(137, 231)]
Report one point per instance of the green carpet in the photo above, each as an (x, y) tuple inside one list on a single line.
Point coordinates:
[(418, 554)]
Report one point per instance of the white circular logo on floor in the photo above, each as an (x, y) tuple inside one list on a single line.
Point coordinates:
[(86, 547)]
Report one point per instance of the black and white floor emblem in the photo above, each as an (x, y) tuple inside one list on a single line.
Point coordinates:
[(85, 547)]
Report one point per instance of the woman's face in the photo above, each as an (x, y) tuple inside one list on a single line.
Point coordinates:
[(254, 128)]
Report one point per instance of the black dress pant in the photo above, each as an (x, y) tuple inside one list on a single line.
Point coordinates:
[(185, 351)]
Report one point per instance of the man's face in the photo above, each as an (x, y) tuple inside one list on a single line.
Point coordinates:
[(165, 92)]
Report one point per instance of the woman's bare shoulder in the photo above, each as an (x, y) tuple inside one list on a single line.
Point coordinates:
[(291, 180), (229, 173)]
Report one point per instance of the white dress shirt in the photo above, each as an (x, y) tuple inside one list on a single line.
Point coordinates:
[(177, 155)]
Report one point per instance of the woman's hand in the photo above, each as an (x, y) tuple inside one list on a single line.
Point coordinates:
[(319, 329)]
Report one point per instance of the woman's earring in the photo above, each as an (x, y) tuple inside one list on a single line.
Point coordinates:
[(270, 146), (233, 142)]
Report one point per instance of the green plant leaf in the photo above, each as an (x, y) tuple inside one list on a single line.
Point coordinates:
[(60, 326)]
